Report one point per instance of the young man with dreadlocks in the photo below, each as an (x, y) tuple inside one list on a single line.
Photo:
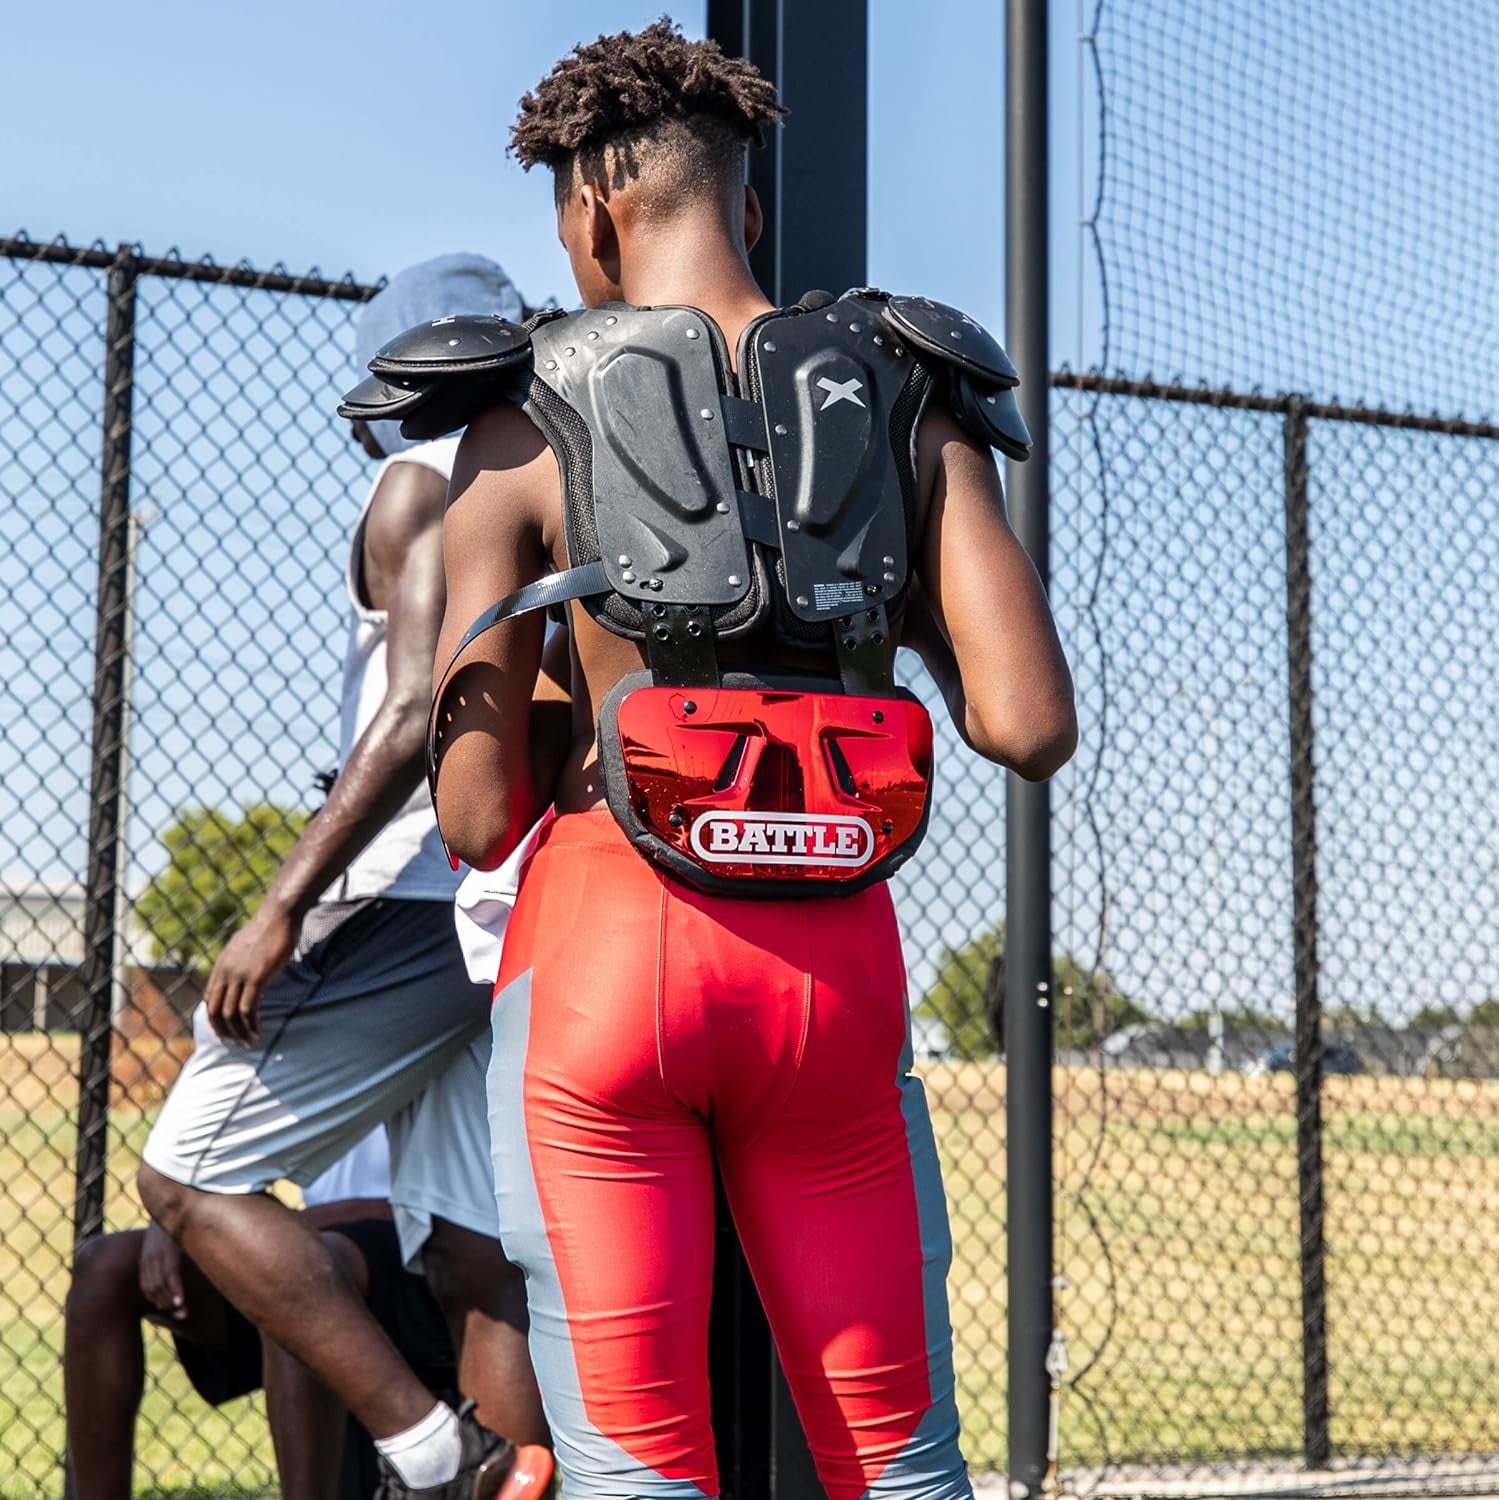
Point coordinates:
[(747, 509)]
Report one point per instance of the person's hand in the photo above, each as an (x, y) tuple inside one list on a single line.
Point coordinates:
[(161, 1273), (250, 960)]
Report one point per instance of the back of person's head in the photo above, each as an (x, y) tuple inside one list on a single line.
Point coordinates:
[(651, 113), (438, 288)]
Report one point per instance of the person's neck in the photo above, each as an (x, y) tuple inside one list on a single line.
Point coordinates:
[(694, 269)]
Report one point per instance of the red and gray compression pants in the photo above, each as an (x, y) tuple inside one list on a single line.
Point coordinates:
[(641, 1030)]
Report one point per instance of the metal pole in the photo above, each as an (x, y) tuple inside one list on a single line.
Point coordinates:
[(104, 831), (812, 176), (1316, 1441), (812, 182), (1028, 1017)]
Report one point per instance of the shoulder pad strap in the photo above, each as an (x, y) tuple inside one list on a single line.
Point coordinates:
[(949, 337), (437, 377)]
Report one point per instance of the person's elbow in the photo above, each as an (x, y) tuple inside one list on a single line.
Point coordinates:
[(477, 830), (1035, 743)]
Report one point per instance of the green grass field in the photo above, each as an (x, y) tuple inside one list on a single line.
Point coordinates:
[(1177, 1235)]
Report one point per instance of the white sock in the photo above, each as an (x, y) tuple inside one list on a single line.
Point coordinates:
[(427, 1454)]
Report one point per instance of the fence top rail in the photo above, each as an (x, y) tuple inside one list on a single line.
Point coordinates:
[(1327, 411), (100, 257)]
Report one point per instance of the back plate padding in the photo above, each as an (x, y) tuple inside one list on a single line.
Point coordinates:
[(631, 398), (833, 384)]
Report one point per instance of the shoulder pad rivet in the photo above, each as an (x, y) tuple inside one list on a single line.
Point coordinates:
[(853, 327), (879, 338), (889, 562), (706, 415), (628, 577), (832, 317), (692, 333), (569, 350), (989, 399), (780, 429), (793, 524), (551, 364), (889, 577), (899, 352), (722, 507), (769, 346), (593, 333), (656, 585), (452, 343), (611, 320), (734, 580), (871, 588), (955, 334), (801, 601), (624, 561)]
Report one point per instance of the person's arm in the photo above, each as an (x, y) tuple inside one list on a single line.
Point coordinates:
[(980, 620), (403, 541), (488, 787)]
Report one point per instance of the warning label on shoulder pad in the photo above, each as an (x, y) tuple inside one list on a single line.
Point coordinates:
[(837, 595)]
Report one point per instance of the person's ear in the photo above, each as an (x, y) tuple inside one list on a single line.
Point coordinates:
[(754, 219), (603, 238)]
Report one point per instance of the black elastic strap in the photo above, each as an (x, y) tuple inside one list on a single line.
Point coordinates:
[(744, 423), (866, 659), (757, 518), (680, 646), (555, 588)]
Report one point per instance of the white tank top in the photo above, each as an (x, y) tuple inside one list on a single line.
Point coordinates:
[(363, 1172), (405, 858)]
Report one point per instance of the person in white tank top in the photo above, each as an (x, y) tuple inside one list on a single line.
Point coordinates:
[(344, 1003)]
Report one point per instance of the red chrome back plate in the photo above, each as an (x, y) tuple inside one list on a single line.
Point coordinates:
[(763, 783)]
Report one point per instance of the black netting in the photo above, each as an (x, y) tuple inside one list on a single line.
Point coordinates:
[(1287, 209)]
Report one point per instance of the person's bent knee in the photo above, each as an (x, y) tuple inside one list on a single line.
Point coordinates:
[(468, 1270), (165, 1200), (106, 1277)]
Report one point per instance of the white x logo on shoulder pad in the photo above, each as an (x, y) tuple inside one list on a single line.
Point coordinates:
[(840, 390)]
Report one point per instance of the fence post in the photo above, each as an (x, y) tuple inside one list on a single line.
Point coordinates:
[(1027, 999), (104, 830), (1316, 1442), (812, 181)]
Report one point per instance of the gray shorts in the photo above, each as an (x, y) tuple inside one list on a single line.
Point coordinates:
[(374, 1021)]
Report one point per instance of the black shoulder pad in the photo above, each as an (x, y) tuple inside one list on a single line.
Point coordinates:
[(950, 337), (439, 376), (989, 413), (376, 400), (459, 345)]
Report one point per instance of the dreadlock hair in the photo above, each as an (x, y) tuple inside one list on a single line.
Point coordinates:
[(648, 107)]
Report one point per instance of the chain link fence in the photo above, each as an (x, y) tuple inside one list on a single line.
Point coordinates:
[(177, 501), (1278, 1153), (1277, 990)]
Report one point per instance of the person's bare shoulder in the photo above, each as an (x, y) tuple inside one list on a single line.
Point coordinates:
[(503, 448)]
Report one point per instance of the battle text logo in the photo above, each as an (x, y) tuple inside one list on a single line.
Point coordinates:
[(762, 838)]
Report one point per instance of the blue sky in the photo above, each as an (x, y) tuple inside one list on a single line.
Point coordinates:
[(314, 137), (363, 138), (1249, 239)]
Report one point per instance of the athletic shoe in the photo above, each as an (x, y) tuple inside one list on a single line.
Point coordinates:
[(490, 1469)]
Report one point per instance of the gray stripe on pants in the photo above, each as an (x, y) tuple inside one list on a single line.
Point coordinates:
[(594, 1467)]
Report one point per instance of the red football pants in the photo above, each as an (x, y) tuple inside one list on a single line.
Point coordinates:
[(641, 1030)]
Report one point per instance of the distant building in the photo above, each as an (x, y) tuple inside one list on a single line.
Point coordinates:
[(41, 958)]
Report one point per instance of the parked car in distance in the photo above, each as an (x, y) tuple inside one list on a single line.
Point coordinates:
[(1337, 1057)]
